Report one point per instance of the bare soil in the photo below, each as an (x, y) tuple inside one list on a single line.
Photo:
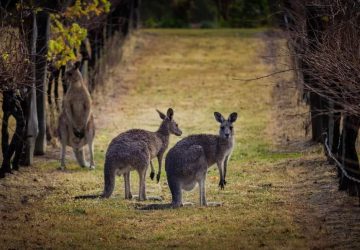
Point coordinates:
[(329, 219)]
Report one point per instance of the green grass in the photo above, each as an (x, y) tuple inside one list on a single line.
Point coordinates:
[(192, 71)]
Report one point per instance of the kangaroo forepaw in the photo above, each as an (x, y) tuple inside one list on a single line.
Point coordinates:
[(79, 133), (158, 178), (152, 175)]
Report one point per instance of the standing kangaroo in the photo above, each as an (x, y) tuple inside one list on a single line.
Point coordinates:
[(76, 122), (133, 150), (187, 162)]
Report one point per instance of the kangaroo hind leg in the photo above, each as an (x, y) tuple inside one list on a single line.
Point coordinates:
[(62, 154), (152, 173), (80, 157), (202, 192), (91, 152), (142, 188), (128, 194), (90, 133), (176, 192)]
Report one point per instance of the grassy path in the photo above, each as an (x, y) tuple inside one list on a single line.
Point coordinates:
[(192, 72)]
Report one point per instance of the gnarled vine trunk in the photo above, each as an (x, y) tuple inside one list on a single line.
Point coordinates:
[(43, 27)]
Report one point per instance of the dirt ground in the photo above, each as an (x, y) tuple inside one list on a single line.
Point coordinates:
[(329, 218), (281, 192)]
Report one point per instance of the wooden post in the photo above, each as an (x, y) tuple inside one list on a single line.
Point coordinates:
[(43, 21), (316, 117), (349, 158), (125, 17), (31, 107), (317, 108), (336, 130), (136, 14)]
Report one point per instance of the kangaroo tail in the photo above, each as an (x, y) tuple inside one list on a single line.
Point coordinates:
[(80, 156), (90, 196), (155, 206), (109, 180)]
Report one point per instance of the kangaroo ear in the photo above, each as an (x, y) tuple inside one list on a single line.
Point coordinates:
[(219, 117), (161, 114), (232, 117), (170, 113)]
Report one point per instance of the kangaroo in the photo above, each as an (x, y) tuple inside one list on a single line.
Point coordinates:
[(76, 122), (187, 162), (133, 150)]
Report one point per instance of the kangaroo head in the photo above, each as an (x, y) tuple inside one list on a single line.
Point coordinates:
[(73, 74), (226, 126), (169, 123)]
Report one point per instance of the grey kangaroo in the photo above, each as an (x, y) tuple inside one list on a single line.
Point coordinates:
[(187, 162), (76, 122), (133, 150)]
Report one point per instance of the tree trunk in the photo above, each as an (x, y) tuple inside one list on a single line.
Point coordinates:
[(316, 117), (333, 132), (43, 20), (349, 157), (131, 15), (136, 14), (125, 17), (12, 107), (317, 108), (336, 130), (31, 109)]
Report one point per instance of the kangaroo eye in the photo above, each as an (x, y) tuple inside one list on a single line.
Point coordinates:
[(231, 128), (222, 127)]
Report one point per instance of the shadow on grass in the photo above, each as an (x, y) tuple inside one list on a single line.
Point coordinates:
[(157, 206), (154, 206)]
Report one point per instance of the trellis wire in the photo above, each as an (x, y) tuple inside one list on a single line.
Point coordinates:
[(342, 168)]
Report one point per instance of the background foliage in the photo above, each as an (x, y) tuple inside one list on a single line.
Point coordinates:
[(205, 13), (67, 31)]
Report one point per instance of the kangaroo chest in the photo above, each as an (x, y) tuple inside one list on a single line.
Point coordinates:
[(222, 150), (158, 147)]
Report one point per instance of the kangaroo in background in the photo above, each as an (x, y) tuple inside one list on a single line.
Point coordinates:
[(187, 162), (76, 121), (133, 150)]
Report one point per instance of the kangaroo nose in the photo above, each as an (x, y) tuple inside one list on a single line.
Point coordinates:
[(227, 135)]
